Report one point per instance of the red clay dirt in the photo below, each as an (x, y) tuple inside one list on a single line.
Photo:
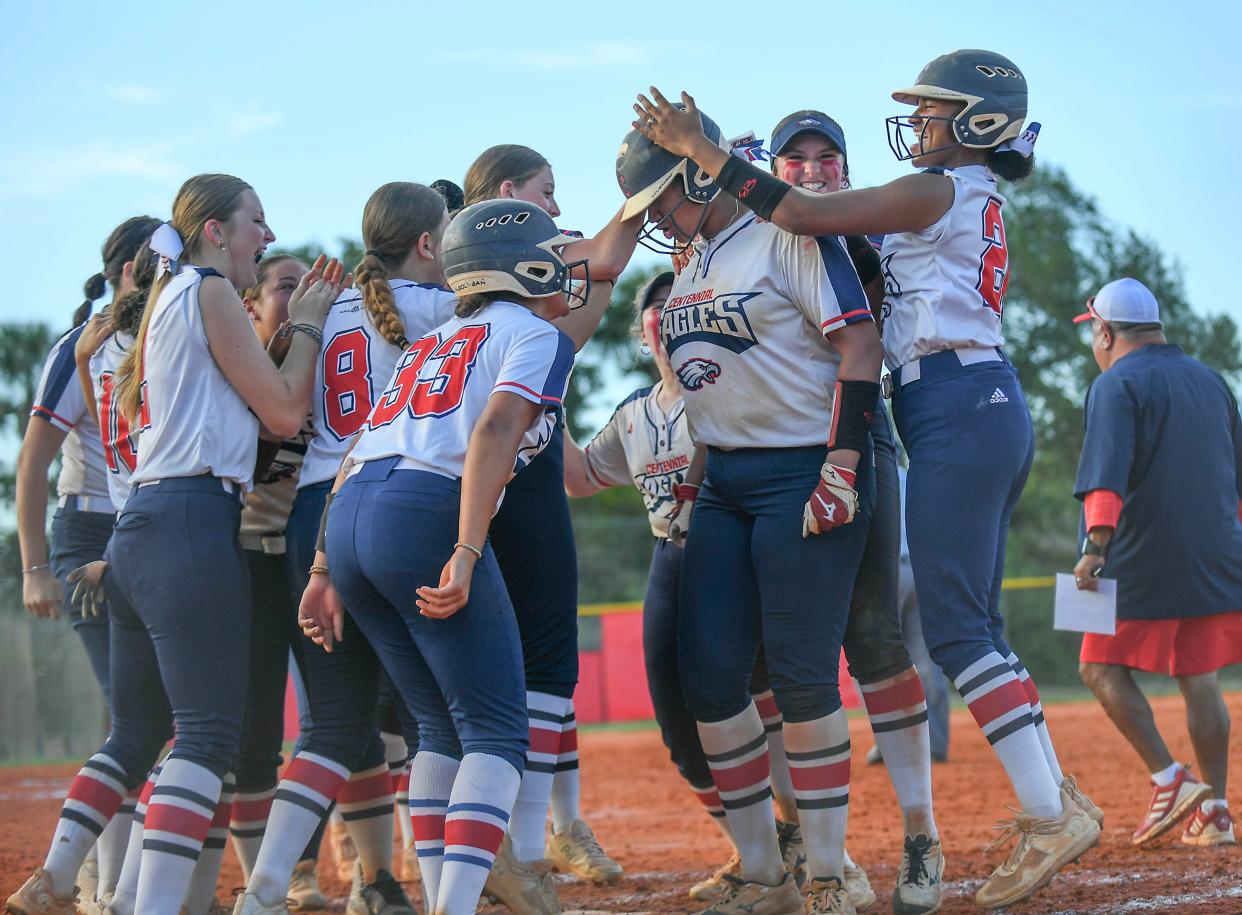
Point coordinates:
[(647, 819)]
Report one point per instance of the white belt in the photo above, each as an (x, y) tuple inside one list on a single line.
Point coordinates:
[(405, 463), (269, 544), (100, 504), (966, 355), (229, 486)]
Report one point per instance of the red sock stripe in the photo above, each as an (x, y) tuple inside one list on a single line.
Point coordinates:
[(905, 693), (314, 776), (144, 795), (708, 797), (569, 740), (403, 783), (742, 776), (358, 790), (819, 778), (428, 827), (168, 818), (1000, 701), (252, 810), (224, 810), (96, 795), (474, 833), (1032, 694), (544, 741), (766, 704)]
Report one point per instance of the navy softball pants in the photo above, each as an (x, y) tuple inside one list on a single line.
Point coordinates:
[(749, 577), (79, 537), (180, 636), (968, 432), (389, 533)]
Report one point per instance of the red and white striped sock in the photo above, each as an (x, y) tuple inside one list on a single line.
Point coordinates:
[(178, 816), (1037, 715), (431, 783), (202, 891), (247, 823), (94, 796), (478, 814), (402, 807), (114, 842), (126, 892), (999, 704), (366, 805), (311, 783), (546, 714), (782, 787), (737, 753), (897, 708), (709, 797), (565, 801), (819, 763)]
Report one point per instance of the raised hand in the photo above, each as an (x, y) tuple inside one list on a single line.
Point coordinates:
[(317, 290), (675, 129)]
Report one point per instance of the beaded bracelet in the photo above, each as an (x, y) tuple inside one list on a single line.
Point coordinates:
[(465, 546), (310, 330)]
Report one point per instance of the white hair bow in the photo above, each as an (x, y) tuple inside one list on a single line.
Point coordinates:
[(166, 242)]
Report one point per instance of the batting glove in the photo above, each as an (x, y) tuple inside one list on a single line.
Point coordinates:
[(88, 593), (679, 520), (833, 502)]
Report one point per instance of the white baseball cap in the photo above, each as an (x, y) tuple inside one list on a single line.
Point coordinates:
[(1126, 301)]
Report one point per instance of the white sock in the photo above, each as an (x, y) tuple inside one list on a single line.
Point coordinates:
[(113, 843), (247, 823), (782, 787), (478, 814), (202, 891), (998, 702), (431, 783), (737, 753), (94, 796), (401, 809), (179, 815), (365, 802), (565, 802), (709, 797), (819, 763), (310, 785), (126, 892), (1037, 715), (546, 714), (898, 712), (1214, 803), (1167, 775)]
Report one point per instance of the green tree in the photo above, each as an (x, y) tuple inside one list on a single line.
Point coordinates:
[(24, 347)]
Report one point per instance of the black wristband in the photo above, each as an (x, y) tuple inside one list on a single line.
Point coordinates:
[(752, 186), (852, 409), (321, 542)]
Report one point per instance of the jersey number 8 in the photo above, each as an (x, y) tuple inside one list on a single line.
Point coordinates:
[(431, 394)]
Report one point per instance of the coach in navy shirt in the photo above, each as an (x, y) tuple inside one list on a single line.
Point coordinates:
[(1161, 478)]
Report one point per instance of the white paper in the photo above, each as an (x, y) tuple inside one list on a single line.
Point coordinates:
[(1085, 611)]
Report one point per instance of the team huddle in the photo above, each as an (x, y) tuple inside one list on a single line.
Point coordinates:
[(363, 478)]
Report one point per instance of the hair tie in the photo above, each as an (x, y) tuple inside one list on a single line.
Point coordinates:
[(166, 242), (371, 252), (1024, 143)]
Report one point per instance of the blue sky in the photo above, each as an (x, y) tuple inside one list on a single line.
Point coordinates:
[(108, 107)]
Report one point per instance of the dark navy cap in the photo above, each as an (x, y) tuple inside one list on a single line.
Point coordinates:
[(807, 122)]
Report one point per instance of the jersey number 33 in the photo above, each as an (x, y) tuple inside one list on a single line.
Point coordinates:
[(432, 393)]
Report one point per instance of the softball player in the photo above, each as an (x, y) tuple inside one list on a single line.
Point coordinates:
[(468, 405), (195, 356), (808, 151), (957, 401), (772, 341), (533, 539), (400, 293)]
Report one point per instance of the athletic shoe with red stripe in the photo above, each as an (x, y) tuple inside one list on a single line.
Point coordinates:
[(1215, 828), (1170, 804), (37, 898)]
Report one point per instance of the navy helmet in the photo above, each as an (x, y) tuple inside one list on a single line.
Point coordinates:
[(645, 169), (993, 92), (508, 245)]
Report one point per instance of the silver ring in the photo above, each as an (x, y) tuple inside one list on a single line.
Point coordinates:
[(650, 122)]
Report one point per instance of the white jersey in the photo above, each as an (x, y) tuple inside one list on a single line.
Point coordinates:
[(443, 381), (355, 365), (193, 421), (745, 329), (943, 285), (61, 401), (645, 446), (120, 444)]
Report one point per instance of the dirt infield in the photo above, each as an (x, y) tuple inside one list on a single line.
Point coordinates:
[(647, 819)]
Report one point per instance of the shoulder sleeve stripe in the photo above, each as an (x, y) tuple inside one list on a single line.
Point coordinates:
[(850, 317), (545, 398), (590, 466), (60, 371), (45, 413), (841, 274)]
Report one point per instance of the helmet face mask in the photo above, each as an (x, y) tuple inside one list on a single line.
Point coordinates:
[(902, 146), (648, 238)]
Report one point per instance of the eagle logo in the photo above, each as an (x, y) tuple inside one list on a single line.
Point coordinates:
[(696, 372)]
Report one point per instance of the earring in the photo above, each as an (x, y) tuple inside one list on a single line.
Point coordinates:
[(645, 351)]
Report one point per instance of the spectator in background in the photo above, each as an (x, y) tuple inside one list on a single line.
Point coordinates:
[(1160, 479), (935, 683)]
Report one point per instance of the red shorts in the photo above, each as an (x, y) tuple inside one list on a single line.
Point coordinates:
[(1177, 647)]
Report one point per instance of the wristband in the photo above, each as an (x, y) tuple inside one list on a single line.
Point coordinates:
[(473, 549), (753, 187), (310, 330), (321, 542), (852, 407), (1091, 548), (36, 568)]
